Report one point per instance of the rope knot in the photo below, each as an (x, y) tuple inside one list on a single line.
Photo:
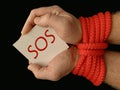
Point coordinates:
[(92, 49)]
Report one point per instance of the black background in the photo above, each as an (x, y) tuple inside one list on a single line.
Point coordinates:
[(14, 73)]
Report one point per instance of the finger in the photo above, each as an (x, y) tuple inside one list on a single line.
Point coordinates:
[(37, 13), (29, 62), (45, 73), (38, 71), (43, 20), (50, 20), (29, 23)]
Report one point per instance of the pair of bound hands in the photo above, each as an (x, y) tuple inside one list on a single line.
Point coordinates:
[(68, 28)]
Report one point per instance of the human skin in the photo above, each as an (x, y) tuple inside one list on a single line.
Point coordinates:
[(112, 59), (69, 29)]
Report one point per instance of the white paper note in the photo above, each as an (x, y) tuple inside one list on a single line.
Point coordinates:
[(40, 45)]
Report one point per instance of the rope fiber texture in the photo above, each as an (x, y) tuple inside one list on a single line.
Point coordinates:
[(95, 32)]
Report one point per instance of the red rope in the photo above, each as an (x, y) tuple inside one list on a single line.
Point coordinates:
[(95, 30)]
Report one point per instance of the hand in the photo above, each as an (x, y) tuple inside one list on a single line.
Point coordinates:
[(57, 68), (66, 25), (68, 28)]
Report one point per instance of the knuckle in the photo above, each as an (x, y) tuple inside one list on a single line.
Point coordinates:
[(55, 76), (37, 75), (33, 11), (55, 6)]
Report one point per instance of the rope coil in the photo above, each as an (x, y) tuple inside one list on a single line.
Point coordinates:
[(95, 30)]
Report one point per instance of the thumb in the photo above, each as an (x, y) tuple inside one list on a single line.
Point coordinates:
[(49, 20), (42, 20)]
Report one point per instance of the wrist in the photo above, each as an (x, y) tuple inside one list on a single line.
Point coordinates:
[(79, 33), (115, 30)]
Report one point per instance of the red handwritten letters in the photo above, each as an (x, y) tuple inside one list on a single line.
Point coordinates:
[(40, 45), (38, 39)]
